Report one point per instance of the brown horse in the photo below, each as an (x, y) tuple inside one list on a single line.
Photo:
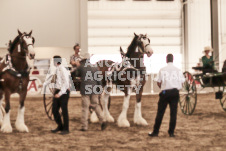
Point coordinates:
[(127, 78), (14, 74)]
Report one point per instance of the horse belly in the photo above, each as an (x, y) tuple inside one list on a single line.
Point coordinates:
[(12, 83)]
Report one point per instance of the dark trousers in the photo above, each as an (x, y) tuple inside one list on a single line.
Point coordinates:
[(170, 97), (62, 103)]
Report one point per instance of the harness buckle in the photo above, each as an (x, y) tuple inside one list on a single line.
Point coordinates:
[(19, 75)]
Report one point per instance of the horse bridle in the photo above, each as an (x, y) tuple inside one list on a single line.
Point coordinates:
[(21, 43), (139, 43), (22, 47)]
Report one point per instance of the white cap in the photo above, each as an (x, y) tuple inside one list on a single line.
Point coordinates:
[(208, 48)]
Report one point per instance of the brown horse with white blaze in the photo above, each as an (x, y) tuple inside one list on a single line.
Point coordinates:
[(14, 74), (126, 79)]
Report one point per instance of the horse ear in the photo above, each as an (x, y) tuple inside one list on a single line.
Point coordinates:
[(122, 52), (30, 33), (19, 32), (146, 35), (135, 35)]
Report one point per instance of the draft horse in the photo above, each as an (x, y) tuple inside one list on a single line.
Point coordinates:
[(14, 74), (125, 80)]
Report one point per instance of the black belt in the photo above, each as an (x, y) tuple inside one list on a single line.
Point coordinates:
[(169, 90), (58, 90)]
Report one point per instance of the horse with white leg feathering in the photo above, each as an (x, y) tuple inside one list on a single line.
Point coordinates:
[(128, 76), (14, 75)]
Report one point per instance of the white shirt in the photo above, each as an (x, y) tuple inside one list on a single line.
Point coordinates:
[(62, 80), (170, 77)]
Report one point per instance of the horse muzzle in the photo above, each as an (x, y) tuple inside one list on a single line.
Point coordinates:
[(31, 56), (149, 54)]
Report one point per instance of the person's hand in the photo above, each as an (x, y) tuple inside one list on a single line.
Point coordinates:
[(211, 62), (44, 84), (73, 63), (57, 96), (77, 63)]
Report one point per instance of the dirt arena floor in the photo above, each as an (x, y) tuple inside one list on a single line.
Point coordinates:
[(204, 130)]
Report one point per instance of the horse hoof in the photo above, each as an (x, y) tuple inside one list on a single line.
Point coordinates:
[(110, 119), (21, 128), (141, 121), (123, 123), (7, 129), (94, 118)]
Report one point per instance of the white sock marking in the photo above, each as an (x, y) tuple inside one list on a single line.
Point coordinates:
[(20, 125), (6, 125)]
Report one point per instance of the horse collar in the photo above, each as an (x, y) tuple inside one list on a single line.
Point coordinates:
[(9, 67)]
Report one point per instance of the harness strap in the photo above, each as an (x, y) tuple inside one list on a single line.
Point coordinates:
[(9, 67)]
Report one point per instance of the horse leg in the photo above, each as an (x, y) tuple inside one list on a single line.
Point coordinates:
[(138, 119), (20, 125), (2, 111), (6, 125), (93, 116), (104, 100), (122, 119)]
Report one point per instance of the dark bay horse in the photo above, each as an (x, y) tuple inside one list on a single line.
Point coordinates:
[(127, 79), (14, 75)]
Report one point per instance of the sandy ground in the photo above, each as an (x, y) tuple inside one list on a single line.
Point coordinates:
[(204, 130)]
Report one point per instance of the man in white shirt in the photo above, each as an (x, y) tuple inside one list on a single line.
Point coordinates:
[(170, 80), (61, 96)]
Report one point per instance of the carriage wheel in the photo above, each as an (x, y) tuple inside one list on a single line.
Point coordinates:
[(188, 98), (223, 101), (48, 100)]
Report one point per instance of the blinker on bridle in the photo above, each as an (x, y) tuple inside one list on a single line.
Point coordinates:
[(21, 43), (141, 50)]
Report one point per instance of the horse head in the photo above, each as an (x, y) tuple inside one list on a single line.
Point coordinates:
[(143, 44), (27, 44)]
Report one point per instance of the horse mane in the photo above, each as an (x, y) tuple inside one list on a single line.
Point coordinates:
[(13, 44), (131, 46)]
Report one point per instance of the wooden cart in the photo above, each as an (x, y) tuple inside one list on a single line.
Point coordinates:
[(188, 96)]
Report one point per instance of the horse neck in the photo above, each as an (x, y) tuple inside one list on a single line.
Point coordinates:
[(19, 62), (136, 59), (137, 62)]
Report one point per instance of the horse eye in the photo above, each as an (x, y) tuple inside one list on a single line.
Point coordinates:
[(144, 38)]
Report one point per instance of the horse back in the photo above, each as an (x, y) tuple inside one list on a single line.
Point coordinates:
[(103, 66)]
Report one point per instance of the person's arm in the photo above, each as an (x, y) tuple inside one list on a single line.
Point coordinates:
[(49, 76), (211, 62), (159, 79), (75, 62)]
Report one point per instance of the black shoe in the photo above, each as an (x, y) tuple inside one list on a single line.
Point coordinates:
[(103, 126), (64, 132), (82, 129), (171, 135), (153, 134), (56, 130)]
